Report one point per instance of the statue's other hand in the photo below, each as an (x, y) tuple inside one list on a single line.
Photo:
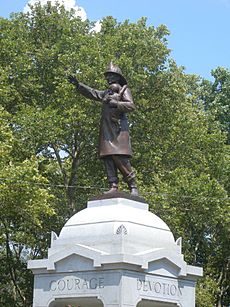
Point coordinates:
[(73, 80), (113, 103)]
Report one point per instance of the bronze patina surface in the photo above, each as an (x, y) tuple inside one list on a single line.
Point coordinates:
[(114, 140)]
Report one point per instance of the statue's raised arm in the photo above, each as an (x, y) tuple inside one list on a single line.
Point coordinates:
[(115, 147)]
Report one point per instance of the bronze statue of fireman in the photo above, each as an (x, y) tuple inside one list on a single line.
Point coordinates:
[(114, 145)]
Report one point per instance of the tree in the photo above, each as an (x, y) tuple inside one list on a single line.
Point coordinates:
[(215, 96), (25, 209)]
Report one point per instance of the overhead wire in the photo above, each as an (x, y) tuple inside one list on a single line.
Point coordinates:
[(13, 181)]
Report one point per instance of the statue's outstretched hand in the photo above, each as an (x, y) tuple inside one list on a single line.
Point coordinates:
[(73, 80)]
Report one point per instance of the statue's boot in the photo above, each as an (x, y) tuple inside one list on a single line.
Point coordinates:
[(134, 190), (130, 179), (113, 188)]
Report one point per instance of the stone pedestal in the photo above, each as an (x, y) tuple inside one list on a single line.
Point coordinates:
[(114, 253)]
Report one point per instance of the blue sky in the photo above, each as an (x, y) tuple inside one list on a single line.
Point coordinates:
[(199, 29)]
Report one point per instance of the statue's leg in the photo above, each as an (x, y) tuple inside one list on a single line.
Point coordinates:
[(122, 162), (111, 171)]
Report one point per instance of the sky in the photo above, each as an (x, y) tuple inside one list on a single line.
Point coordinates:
[(199, 29)]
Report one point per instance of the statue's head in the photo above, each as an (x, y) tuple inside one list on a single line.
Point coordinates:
[(114, 74)]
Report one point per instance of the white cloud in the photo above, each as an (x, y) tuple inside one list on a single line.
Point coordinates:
[(68, 4), (97, 27)]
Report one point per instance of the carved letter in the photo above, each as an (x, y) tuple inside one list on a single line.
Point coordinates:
[(139, 284), (69, 284), (150, 285), (165, 288), (145, 285), (53, 285), (85, 284), (77, 282), (179, 291), (61, 285), (101, 282), (157, 287), (93, 283), (173, 290)]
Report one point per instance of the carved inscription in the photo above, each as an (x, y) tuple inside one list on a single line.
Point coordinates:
[(75, 284), (158, 287)]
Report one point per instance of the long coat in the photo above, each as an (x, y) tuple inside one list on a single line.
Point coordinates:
[(114, 131)]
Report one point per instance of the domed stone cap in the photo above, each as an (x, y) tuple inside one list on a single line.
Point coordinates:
[(116, 225)]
